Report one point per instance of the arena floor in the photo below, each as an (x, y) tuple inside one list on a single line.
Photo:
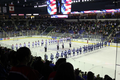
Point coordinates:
[(101, 61)]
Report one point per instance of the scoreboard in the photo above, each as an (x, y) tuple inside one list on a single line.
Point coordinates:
[(51, 7), (59, 6)]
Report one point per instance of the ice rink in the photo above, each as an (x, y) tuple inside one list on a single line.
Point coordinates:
[(101, 61)]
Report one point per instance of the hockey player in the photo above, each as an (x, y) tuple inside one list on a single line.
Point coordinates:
[(45, 41), (12, 47), (64, 39), (80, 50), (24, 44), (29, 44), (32, 44), (94, 46), (45, 47), (102, 43), (73, 52), (20, 45), (57, 56), (77, 51), (62, 54), (42, 42), (36, 43), (65, 54), (46, 57), (62, 45), (49, 41), (105, 43), (57, 46), (97, 45), (16, 47), (52, 57), (84, 49), (69, 52)]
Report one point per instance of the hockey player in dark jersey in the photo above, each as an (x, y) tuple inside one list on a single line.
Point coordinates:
[(105, 43), (84, 49), (52, 57), (73, 52), (65, 54), (62, 54), (80, 50), (77, 51), (69, 52)]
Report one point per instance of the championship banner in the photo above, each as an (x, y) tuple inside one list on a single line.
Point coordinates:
[(11, 8), (4, 9), (0, 9)]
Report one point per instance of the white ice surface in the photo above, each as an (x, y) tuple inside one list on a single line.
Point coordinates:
[(101, 61)]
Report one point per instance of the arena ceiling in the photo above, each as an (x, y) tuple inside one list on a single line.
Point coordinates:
[(22, 2)]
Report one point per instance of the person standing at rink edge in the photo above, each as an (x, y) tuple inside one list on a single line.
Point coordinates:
[(45, 47), (70, 44), (57, 46), (62, 45)]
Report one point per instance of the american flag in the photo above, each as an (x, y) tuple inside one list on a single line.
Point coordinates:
[(66, 8), (51, 1), (52, 9), (67, 1)]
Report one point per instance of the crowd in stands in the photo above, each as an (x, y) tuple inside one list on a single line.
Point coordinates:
[(20, 65), (104, 28)]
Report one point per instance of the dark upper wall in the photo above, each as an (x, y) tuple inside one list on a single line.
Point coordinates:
[(93, 5)]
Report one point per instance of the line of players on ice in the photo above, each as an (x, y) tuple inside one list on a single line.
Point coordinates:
[(84, 49), (37, 43)]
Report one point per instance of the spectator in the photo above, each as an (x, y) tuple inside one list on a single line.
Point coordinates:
[(59, 61), (24, 56), (90, 76), (65, 72)]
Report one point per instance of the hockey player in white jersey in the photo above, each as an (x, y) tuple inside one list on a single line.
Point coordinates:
[(16, 47), (42, 42), (12, 47), (49, 41), (24, 44), (32, 44), (29, 44), (20, 45), (36, 43), (45, 41)]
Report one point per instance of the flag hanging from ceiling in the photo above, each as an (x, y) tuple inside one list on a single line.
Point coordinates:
[(0, 9), (4, 9), (11, 8)]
